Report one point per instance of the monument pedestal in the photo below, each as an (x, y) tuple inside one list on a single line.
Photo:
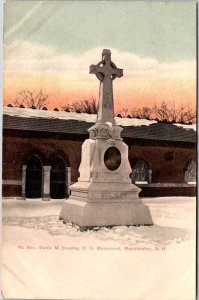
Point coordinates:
[(89, 214), (104, 197), (104, 194)]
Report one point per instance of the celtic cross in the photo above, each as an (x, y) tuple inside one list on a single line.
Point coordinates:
[(106, 71)]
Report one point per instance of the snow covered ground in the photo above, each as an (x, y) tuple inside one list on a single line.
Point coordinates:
[(44, 258)]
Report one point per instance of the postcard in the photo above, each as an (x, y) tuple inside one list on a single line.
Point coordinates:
[(99, 150)]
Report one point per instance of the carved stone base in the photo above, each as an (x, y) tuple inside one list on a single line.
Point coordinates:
[(105, 204), (104, 197), (104, 192), (90, 214)]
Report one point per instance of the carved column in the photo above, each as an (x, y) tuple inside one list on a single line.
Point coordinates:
[(46, 183), (68, 172), (150, 176), (24, 182)]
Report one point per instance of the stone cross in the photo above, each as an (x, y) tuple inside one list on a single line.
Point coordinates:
[(106, 71)]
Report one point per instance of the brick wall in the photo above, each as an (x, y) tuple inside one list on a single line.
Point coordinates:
[(167, 161), (18, 146)]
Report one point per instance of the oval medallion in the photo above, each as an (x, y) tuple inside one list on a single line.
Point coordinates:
[(112, 158)]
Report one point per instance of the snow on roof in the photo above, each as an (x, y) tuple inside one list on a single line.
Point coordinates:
[(186, 126), (51, 114)]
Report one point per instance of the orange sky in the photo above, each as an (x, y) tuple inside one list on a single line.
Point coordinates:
[(131, 91), (154, 44)]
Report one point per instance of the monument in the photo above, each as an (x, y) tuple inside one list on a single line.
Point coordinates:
[(104, 194)]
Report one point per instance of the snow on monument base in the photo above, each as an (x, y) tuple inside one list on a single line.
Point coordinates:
[(88, 214), (116, 205)]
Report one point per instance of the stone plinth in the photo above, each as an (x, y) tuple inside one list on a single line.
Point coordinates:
[(102, 197), (88, 214)]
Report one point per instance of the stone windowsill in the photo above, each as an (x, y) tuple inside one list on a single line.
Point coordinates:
[(165, 184)]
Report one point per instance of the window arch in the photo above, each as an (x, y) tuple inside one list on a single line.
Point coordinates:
[(58, 178), (140, 171), (190, 172), (33, 184)]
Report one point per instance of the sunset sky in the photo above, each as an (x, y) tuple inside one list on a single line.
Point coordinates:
[(50, 45)]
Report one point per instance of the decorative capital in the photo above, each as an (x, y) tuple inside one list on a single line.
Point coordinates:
[(47, 168), (105, 131)]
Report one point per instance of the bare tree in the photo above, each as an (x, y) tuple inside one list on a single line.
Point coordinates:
[(83, 106), (144, 112), (124, 112), (186, 114), (163, 112), (171, 113), (28, 98)]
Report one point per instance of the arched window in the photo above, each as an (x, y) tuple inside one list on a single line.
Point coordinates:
[(190, 172), (58, 180), (33, 184), (140, 172)]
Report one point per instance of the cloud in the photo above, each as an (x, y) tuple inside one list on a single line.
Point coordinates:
[(26, 57), (22, 21)]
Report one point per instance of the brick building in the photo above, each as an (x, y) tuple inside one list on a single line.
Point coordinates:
[(42, 153)]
